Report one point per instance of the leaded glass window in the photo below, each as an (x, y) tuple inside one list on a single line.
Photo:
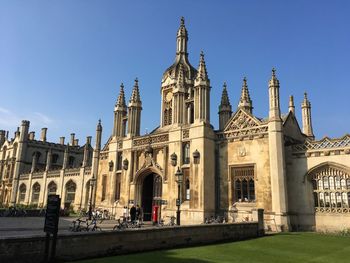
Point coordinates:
[(331, 189), (243, 183)]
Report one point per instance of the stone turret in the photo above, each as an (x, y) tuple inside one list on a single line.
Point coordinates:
[(225, 108), (245, 102), (134, 111), (277, 157), (177, 84), (306, 116), (96, 158), (120, 112), (202, 93), (20, 159)]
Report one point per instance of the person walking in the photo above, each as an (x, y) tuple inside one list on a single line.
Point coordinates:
[(133, 213)]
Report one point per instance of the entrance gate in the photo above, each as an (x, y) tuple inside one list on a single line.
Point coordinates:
[(151, 193)]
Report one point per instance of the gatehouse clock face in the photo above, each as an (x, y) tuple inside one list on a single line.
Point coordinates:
[(169, 96)]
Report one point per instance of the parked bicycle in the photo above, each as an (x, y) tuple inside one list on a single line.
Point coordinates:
[(214, 220), (78, 225), (93, 225), (170, 222), (123, 223)]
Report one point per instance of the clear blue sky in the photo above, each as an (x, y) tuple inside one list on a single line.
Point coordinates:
[(61, 62)]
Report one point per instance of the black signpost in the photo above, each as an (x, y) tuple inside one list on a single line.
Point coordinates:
[(51, 225)]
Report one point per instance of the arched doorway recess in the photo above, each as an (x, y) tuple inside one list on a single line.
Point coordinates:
[(150, 193)]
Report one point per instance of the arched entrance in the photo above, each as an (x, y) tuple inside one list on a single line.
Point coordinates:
[(151, 194)]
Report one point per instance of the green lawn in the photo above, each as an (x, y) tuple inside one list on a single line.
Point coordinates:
[(288, 247)]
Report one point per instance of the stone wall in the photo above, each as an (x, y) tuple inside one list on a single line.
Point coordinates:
[(89, 245)]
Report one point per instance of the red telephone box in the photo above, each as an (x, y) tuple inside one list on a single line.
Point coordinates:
[(155, 212)]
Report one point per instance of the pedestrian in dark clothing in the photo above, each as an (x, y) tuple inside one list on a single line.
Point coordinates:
[(133, 213), (139, 213)]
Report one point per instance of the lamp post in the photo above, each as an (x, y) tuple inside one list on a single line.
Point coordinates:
[(178, 176), (92, 184)]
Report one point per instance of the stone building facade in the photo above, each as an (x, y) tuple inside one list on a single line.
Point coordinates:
[(248, 163)]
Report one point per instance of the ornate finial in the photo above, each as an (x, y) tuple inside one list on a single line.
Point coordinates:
[(245, 102), (202, 69), (121, 97), (273, 72), (135, 94), (305, 95), (99, 121), (225, 101), (182, 21)]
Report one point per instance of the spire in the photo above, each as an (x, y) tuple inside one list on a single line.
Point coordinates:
[(182, 38), (134, 111), (202, 69), (274, 97), (225, 109), (135, 95), (306, 116), (121, 97), (225, 101), (291, 106), (245, 102)]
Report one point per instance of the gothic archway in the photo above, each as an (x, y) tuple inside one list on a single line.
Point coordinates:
[(149, 193)]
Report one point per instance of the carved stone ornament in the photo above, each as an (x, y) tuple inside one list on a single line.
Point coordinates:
[(242, 151), (242, 120), (150, 162)]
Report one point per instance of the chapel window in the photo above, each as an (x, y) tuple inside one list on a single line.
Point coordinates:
[(22, 192), (243, 183), (35, 193), (52, 188), (70, 191), (331, 190)]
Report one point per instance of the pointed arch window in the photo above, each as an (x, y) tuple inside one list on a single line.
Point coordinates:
[(35, 193), (52, 188), (22, 192), (243, 183), (331, 189), (70, 192)]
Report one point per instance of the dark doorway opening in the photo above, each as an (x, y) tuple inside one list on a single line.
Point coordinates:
[(147, 197)]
